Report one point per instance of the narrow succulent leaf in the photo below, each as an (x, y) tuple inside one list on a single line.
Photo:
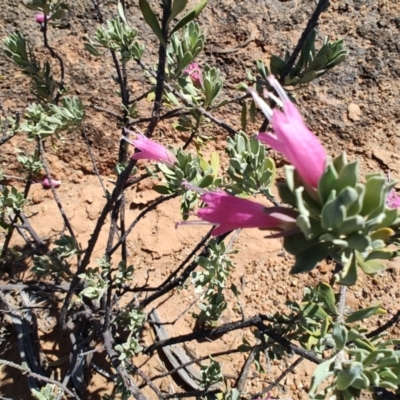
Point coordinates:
[(340, 162), (348, 275), (306, 260), (374, 194), (352, 224), (151, 20), (348, 176), (327, 296), (370, 267), (347, 376), (365, 313), (339, 335), (323, 371), (177, 8), (358, 241), (313, 311), (192, 14), (327, 182)]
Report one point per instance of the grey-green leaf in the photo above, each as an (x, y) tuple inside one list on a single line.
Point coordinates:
[(151, 20)]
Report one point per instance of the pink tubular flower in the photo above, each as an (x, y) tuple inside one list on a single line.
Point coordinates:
[(193, 70), (48, 184), (393, 199), (229, 212), (40, 18), (292, 138), (150, 150)]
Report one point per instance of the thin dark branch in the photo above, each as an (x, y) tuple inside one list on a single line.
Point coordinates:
[(193, 133), (112, 113), (56, 198), (162, 58), (279, 378), (39, 377), (312, 23), (93, 159), (60, 60), (152, 207), (223, 329), (199, 245), (126, 378), (392, 321), (170, 114), (180, 279)]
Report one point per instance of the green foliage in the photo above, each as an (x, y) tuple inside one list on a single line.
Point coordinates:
[(57, 263), (211, 281), (211, 374), (41, 123), (369, 363), (250, 170), (31, 164), (184, 47), (312, 64), (21, 53), (346, 218), (191, 15), (48, 392), (95, 284), (11, 201), (190, 169), (117, 35), (131, 319), (128, 349), (53, 9)]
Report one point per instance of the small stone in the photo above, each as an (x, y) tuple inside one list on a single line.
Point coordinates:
[(354, 112), (38, 196)]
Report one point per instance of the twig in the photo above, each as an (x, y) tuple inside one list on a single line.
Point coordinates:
[(39, 377), (279, 378), (245, 371), (392, 321), (97, 108), (93, 159), (188, 103), (170, 114), (152, 207), (128, 382), (160, 76), (221, 330), (56, 198), (312, 23), (60, 60), (196, 394), (180, 279)]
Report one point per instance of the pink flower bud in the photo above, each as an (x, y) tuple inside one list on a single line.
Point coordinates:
[(47, 184), (229, 212), (150, 150), (194, 72), (40, 18), (291, 137)]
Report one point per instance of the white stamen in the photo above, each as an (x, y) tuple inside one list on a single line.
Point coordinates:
[(265, 108), (278, 88), (127, 140), (273, 97)]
